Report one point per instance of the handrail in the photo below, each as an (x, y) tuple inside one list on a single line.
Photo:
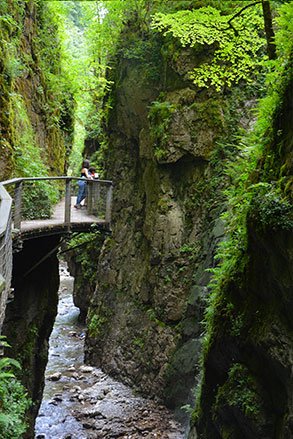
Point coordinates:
[(94, 196), (19, 180), (99, 193)]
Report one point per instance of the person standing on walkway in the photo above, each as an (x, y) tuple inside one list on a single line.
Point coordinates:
[(82, 192)]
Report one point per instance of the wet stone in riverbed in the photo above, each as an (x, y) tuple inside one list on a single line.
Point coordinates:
[(84, 403)]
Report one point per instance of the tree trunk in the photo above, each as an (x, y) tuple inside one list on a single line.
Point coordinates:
[(270, 35)]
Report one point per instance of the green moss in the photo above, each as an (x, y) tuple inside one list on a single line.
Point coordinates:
[(163, 205), (271, 211), (98, 319), (160, 115), (150, 182), (211, 113), (33, 112), (96, 325), (239, 391), (140, 341), (28, 350), (147, 52), (87, 247)]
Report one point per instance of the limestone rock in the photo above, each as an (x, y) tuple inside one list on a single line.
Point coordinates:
[(55, 376)]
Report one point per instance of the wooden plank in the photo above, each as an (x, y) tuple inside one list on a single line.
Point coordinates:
[(77, 216)]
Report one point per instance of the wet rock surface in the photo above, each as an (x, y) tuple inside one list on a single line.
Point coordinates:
[(82, 402)]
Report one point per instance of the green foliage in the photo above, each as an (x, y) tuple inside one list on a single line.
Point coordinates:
[(60, 83), (148, 52), (234, 39), (103, 31), (153, 316), (192, 251), (255, 193), (96, 325), (14, 67), (38, 200), (86, 251), (160, 115), (284, 32), (265, 204), (98, 319), (13, 400), (187, 408), (38, 197), (271, 209), (140, 341), (239, 391), (33, 129)]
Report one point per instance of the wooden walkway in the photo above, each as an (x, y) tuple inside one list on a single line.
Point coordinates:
[(80, 221), (65, 219)]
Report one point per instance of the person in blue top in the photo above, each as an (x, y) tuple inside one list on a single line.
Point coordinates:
[(82, 192)]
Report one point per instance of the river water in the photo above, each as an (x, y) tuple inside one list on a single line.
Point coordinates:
[(81, 402)]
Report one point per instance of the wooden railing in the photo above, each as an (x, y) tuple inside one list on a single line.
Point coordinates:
[(99, 200), (5, 249), (99, 197)]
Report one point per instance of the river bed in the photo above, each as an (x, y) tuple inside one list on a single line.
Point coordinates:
[(81, 402)]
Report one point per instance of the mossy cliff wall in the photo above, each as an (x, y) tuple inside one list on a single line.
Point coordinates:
[(31, 314), (34, 111), (161, 136), (247, 382), (35, 136)]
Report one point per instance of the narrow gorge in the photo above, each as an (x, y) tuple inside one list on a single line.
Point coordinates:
[(184, 298)]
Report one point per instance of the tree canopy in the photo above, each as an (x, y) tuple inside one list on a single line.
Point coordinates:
[(236, 39)]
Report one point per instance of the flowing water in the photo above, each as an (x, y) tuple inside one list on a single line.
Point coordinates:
[(81, 402)]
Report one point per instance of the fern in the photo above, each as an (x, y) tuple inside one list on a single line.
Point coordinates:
[(13, 399)]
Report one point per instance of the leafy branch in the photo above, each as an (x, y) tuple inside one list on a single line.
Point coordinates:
[(236, 47)]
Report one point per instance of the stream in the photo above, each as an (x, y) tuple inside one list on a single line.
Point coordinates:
[(80, 401)]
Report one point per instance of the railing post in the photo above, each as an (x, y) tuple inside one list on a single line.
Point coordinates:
[(109, 204), (67, 214), (90, 198), (98, 198), (17, 205)]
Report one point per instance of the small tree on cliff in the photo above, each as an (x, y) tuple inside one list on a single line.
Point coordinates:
[(236, 38)]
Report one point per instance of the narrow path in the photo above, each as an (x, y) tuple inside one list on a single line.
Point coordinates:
[(77, 216), (81, 402)]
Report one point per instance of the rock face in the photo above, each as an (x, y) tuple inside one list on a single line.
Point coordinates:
[(143, 321), (33, 115), (82, 290), (84, 274), (246, 391), (35, 130), (30, 315)]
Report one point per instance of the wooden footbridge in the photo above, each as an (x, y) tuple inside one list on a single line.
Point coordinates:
[(18, 223)]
